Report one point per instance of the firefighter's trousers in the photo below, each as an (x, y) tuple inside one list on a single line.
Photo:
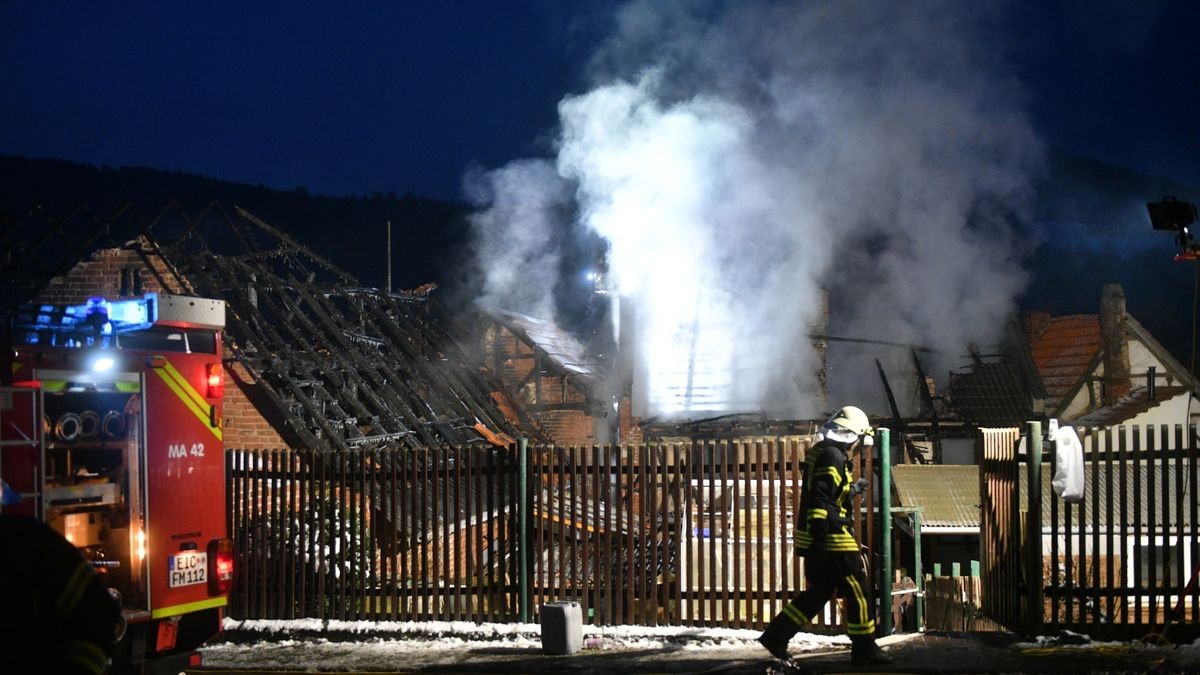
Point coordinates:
[(824, 573)]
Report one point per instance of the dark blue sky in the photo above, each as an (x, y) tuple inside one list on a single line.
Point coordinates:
[(404, 96)]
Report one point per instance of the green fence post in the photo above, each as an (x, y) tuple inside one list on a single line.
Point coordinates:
[(1034, 611), (523, 527), (885, 529), (918, 572)]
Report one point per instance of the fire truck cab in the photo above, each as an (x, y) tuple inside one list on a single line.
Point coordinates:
[(110, 432)]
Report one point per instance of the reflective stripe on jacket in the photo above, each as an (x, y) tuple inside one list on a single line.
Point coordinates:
[(825, 500)]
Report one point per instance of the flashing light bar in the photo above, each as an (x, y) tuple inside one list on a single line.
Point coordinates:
[(99, 319), (100, 316)]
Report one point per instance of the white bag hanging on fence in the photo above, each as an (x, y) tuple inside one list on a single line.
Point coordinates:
[(1068, 479)]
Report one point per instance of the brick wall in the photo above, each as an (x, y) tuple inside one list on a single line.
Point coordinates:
[(245, 426), (114, 273), (630, 427), (568, 427), (565, 427)]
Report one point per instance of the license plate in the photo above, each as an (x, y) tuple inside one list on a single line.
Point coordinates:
[(187, 568)]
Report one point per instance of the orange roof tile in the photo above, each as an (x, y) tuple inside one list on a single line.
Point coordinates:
[(1063, 352)]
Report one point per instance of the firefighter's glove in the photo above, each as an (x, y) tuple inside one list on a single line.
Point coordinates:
[(859, 487)]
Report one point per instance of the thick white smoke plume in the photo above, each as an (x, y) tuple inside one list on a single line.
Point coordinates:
[(740, 157), (517, 239)]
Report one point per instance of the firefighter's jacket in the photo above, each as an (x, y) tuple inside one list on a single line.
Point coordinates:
[(825, 502), (58, 616)]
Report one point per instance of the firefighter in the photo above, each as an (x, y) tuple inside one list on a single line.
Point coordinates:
[(832, 558), (58, 615)]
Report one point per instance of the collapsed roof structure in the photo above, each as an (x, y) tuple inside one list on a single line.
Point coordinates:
[(332, 364)]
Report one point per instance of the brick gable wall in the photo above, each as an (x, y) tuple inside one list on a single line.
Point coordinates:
[(245, 427), (115, 273)]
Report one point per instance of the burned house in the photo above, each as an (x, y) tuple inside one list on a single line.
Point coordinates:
[(367, 418), (327, 381), (319, 362), (565, 387)]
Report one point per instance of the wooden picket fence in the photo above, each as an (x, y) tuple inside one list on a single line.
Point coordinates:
[(692, 534), (955, 603), (1000, 533)]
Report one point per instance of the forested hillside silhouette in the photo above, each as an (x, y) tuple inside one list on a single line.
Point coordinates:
[(350, 231)]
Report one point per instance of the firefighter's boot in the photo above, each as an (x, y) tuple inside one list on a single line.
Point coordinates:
[(864, 651), (777, 635)]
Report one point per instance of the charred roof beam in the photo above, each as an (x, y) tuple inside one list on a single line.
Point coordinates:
[(350, 353), (242, 332), (467, 391)]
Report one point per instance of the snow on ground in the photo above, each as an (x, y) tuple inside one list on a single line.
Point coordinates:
[(1073, 640), (311, 644)]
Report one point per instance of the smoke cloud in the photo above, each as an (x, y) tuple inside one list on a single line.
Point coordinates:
[(741, 158), (518, 235)]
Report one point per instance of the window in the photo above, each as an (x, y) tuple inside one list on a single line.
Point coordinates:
[(168, 339), (1157, 556)]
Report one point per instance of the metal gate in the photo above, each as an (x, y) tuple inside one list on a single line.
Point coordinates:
[(1120, 564)]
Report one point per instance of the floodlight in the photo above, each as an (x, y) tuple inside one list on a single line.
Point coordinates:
[(1171, 214)]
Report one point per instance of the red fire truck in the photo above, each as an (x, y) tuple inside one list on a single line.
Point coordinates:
[(111, 434)]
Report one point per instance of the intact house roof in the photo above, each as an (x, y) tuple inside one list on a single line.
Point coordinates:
[(1068, 354), (331, 364), (949, 495), (1065, 352)]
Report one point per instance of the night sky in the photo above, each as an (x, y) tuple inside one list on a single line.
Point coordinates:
[(350, 98)]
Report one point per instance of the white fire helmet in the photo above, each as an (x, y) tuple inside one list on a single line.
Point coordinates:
[(854, 420)]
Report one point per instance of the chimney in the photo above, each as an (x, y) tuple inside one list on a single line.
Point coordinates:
[(1113, 345), (1036, 323)]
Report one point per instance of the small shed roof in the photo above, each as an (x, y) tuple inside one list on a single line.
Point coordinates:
[(949, 494), (1137, 402)]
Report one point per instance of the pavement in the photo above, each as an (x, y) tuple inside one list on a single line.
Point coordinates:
[(932, 652), (917, 653), (992, 652)]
